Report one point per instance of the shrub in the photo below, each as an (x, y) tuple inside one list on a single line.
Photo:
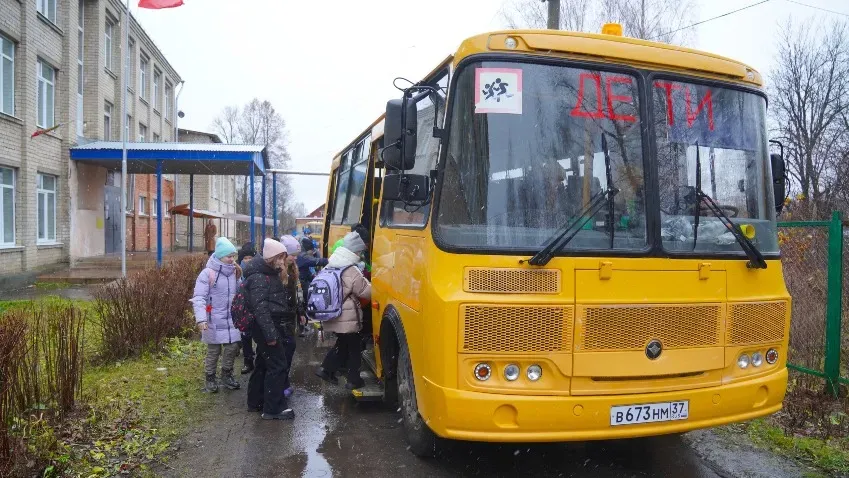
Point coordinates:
[(41, 367), (139, 313)]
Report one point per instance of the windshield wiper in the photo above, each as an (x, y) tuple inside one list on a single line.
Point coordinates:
[(571, 229), (756, 259)]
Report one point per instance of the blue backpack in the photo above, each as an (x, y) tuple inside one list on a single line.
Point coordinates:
[(324, 299)]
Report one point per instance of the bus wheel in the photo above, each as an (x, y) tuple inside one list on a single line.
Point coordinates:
[(421, 439)]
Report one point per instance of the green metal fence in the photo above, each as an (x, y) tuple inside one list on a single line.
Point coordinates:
[(812, 257)]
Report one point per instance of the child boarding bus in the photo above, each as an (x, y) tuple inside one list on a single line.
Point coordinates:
[(573, 238)]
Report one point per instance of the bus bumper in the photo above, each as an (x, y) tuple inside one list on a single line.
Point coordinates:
[(476, 416)]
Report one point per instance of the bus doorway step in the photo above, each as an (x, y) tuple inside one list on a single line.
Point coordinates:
[(372, 391)]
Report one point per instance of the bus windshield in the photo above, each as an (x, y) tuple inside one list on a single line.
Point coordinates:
[(525, 157), (727, 127)]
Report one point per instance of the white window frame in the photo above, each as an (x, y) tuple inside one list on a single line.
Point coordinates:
[(157, 80), (143, 64), (47, 9), (128, 129), (166, 207), (153, 205), (169, 100), (44, 221), (3, 187), (107, 120), (142, 133), (130, 63), (157, 138), (108, 36), (142, 205), (4, 61), (46, 115), (80, 69)]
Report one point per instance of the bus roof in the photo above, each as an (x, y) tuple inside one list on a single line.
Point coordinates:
[(610, 48)]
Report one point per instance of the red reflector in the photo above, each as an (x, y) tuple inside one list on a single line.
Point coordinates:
[(375, 305), (771, 356)]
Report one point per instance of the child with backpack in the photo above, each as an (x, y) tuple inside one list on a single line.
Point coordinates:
[(214, 290), (334, 299)]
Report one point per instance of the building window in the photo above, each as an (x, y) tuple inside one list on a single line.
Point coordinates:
[(157, 81), (47, 8), (169, 93), (7, 76), (131, 182), (142, 133), (7, 207), (142, 206), (127, 127), (130, 62), (156, 138), (107, 121), (143, 78), (80, 75), (108, 34), (167, 207), (46, 189), (46, 94), (153, 206)]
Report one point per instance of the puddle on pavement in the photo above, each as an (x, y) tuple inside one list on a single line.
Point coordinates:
[(312, 438)]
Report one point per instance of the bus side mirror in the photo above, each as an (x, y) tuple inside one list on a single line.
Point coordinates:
[(410, 188), (779, 180), (400, 125)]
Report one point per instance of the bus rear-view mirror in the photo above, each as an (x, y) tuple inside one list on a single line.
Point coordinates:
[(399, 125), (410, 188), (779, 180)]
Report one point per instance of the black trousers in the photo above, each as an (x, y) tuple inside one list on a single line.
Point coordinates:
[(247, 348), (345, 353), (270, 376)]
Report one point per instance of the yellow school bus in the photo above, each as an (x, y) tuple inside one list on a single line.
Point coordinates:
[(574, 238)]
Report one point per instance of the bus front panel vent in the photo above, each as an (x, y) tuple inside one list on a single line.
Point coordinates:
[(756, 322), (512, 281), (515, 329)]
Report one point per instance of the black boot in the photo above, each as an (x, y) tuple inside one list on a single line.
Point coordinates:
[(248, 367), (211, 384), (228, 380)]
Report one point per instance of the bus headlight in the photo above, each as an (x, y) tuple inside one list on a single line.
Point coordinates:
[(483, 371), (757, 359), (534, 373), (743, 361), (511, 372)]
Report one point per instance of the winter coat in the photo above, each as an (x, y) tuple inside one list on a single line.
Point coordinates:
[(305, 263), (268, 299), (354, 288), (216, 285), (209, 233)]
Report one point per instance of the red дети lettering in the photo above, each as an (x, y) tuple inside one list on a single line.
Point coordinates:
[(670, 115), (577, 110), (609, 81), (707, 100)]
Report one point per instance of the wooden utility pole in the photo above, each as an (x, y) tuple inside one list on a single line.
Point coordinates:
[(553, 14)]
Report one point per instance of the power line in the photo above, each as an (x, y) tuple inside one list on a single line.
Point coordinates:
[(711, 19), (818, 8)]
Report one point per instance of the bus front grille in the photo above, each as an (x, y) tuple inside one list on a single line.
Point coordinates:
[(631, 327), (756, 322), (515, 329), (514, 281)]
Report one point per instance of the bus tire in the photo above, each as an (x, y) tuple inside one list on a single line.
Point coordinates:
[(420, 437)]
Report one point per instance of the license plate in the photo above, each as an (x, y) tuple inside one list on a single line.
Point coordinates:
[(649, 413)]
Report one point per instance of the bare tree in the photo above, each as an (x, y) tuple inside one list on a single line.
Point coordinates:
[(226, 124), (810, 104), (258, 122), (659, 20)]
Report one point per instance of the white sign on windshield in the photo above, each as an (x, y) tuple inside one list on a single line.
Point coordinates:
[(498, 90)]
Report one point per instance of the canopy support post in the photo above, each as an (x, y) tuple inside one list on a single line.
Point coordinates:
[(191, 211), (253, 204), (159, 213), (274, 202)]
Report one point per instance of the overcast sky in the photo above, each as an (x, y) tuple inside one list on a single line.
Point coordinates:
[(327, 66)]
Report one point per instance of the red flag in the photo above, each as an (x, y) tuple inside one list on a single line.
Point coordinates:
[(157, 4), (47, 130)]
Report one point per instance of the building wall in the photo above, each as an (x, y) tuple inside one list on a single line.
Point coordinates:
[(79, 187)]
